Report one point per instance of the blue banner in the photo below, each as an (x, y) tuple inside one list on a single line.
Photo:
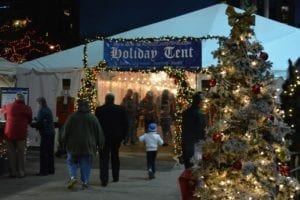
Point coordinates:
[(152, 55)]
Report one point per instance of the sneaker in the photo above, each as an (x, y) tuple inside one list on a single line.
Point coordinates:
[(72, 182), (151, 175)]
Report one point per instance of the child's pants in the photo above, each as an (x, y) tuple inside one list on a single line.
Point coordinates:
[(151, 157)]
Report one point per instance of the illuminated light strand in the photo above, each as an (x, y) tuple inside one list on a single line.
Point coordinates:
[(29, 46)]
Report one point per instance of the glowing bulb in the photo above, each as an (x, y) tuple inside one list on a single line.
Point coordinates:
[(254, 63), (281, 186), (223, 73)]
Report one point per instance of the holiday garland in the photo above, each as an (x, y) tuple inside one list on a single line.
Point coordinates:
[(88, 89)]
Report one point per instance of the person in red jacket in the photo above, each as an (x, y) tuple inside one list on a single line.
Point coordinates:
[(17, 116)]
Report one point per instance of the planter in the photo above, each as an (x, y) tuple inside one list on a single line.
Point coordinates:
[(187, 185)]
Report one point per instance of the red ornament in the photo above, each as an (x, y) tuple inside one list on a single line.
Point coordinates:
[(256, 89), (237, 165), (263, 56), (284, 170), (206, 156), (217, 137), (212, 82), (271, 117)]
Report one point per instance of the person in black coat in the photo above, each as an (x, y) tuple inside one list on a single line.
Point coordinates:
[(45, 125), (193, 129), (113, 119)]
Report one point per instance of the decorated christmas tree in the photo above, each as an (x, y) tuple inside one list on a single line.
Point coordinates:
[(245, 154)]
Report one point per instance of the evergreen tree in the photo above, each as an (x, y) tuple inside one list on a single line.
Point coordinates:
[(290, 102), (245, 154)]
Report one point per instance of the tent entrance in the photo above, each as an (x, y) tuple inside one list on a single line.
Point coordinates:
[(119, 82)]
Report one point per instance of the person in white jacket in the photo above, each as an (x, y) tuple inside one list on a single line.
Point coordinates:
[(151, 140)]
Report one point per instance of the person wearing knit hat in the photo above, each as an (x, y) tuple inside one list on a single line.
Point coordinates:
[(152, 127), (151, 140)]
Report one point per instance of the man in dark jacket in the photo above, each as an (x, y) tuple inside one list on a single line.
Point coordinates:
[(113, 119), (193, 125), (17, 116)]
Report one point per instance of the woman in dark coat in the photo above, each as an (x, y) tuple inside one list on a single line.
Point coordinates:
[(193, 129), (45, 125)]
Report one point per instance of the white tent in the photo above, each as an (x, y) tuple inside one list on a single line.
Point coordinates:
[(7, 73), (43, 75), (279, 40)]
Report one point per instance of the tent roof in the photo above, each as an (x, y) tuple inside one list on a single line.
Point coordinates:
[(67, 60), (7, 68), (278, 40)]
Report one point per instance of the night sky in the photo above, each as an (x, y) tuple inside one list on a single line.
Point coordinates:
[(109, 17)]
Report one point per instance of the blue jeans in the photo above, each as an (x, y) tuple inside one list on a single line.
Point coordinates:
[(82, 161)]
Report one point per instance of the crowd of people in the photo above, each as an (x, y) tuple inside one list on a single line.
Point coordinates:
[(85, 134), (150, 109)]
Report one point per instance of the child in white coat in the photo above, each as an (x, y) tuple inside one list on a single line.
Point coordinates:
[(152, 140)]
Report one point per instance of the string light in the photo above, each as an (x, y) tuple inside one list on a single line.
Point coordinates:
[(28, 44), (290, 95)]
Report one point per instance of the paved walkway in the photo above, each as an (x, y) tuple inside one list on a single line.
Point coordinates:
[(133, 184)]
